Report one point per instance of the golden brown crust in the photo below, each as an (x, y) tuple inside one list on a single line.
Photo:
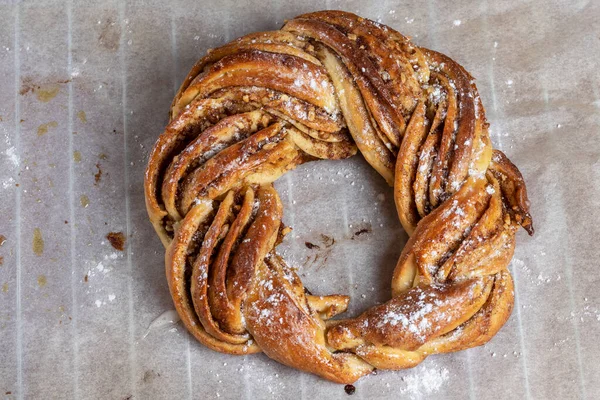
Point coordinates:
[(327, 85), (289, 331)]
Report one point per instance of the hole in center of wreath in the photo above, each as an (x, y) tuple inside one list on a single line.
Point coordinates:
[(346, 237)]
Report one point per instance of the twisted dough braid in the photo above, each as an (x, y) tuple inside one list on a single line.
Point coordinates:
[(324, 86)]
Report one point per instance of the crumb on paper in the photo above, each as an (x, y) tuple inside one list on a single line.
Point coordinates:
[(311, 246), (117, 240), (363, 230), (98, 175)]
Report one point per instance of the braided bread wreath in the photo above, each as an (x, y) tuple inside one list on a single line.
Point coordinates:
[(326, 84)]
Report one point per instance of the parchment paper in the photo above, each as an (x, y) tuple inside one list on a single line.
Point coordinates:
[(85, 89)]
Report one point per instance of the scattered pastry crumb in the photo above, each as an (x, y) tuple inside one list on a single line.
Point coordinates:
[(349, 389), (363, 229), (98, 174), (117, 240)]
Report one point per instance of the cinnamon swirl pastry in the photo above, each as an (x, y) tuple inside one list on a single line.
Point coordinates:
[(329, 84)]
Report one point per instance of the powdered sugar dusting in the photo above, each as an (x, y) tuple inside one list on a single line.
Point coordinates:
[(418, 315), (427, 381), (11, 154)]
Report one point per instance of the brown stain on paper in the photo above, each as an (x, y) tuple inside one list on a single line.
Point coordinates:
[(110, 35), (38, 242), (45, 95), (43, 128), (76, 156), (82, 117), (84, 201), (44, 91), (42, 281), (150, 375)]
